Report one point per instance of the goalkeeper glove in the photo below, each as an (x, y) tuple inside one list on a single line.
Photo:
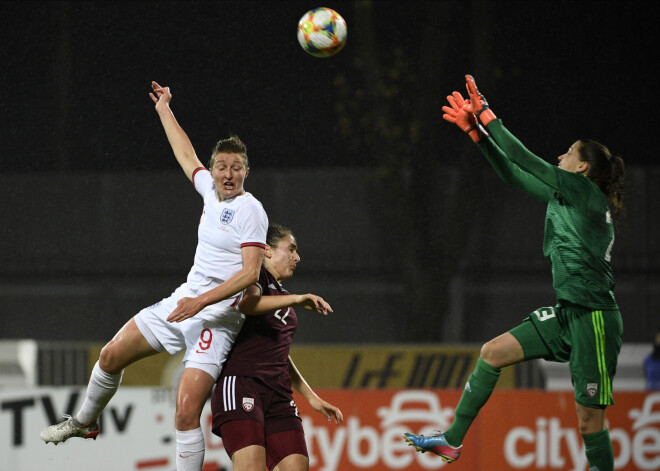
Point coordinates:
[(457, 114), (478, 104)]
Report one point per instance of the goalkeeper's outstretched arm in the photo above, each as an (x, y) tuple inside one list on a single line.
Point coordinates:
[(458, 114)]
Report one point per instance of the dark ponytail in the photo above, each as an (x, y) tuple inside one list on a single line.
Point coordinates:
[(607, 171), (617, 185)]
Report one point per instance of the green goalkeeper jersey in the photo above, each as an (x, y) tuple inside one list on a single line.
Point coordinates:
[(579, 231)]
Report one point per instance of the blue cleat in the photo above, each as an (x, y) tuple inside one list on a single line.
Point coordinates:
[(436, 444)]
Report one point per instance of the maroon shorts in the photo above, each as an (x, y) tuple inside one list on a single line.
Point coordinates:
[(240, 398), (239, 434)]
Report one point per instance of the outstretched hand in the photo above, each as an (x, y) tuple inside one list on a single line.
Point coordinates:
[(160, 95), (477, 102), (312, 302), (458, 114), (327, 410)]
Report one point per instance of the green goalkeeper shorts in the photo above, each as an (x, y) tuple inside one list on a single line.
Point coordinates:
[(589, 340)]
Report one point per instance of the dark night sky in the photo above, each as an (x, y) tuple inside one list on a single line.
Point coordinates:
[(75, 77)]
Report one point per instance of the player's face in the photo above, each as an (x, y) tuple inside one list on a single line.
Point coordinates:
[(570, 161), (283, 258), (229, 173)]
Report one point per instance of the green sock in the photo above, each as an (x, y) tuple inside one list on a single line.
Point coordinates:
[(477, 390), (598, 448)]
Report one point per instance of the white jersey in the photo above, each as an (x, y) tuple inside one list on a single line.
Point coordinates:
[(224, 228)]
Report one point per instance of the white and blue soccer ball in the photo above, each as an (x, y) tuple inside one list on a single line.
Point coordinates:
[(322, 32)]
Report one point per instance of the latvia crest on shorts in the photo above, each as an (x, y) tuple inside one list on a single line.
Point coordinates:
[(248, 403), (226, 216), (592, 390)]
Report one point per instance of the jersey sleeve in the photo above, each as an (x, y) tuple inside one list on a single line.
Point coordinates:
[(262, 283), (253, 225), (512, 174), (569, 185), (202, 180)]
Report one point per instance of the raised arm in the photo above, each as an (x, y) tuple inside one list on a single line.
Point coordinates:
[(319, 405), (518, 153), (510, 145), (461, 114), (512, 174), (181, 145)]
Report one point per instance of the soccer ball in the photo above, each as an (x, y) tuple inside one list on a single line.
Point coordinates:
[(322, 32)]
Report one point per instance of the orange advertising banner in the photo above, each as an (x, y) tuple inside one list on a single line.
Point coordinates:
[(515, 430)]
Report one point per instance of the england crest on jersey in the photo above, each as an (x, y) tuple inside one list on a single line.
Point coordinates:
[(226, 216)]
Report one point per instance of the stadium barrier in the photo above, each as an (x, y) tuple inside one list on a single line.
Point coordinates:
[(516, 430), (28, 362)]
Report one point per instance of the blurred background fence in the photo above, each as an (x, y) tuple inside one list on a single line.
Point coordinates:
[(94, 249)]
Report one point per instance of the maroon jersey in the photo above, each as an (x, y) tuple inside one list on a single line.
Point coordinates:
[(262, 347)]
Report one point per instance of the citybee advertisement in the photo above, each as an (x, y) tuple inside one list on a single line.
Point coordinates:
[(515, 430)]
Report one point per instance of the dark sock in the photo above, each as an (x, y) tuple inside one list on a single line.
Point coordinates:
[(598, 448), (477, 390)]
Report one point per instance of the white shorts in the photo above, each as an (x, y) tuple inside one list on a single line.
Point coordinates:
[(207, 337)]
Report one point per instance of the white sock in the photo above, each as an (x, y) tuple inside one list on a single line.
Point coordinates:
[(189, 450), (102, 386)]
